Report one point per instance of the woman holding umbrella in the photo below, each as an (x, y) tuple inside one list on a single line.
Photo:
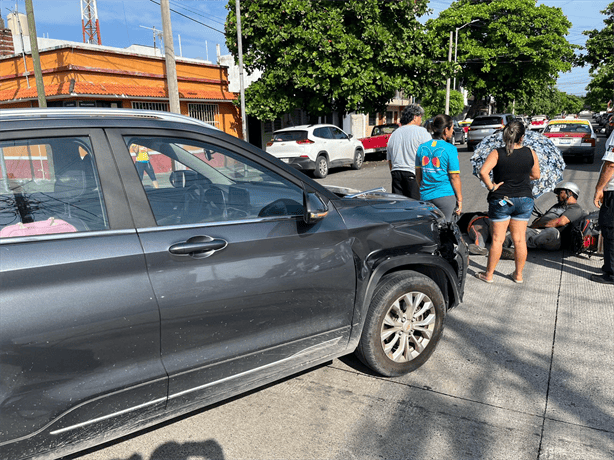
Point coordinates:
[(510, 201)]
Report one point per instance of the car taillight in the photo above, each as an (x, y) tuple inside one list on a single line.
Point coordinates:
[(588, 140), (305, 141), (268, 144)]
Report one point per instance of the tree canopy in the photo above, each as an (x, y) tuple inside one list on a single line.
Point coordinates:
[(325, 56), (599, 56), (434, 103), (549, 101), (514, 50)]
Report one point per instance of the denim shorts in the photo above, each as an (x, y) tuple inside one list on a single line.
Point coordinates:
[(517, 208)]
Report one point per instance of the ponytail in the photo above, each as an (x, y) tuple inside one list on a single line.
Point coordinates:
[(512, 133)]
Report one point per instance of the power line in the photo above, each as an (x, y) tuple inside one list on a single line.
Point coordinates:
[(191, 19)]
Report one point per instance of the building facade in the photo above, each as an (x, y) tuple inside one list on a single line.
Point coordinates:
[(85, 75)]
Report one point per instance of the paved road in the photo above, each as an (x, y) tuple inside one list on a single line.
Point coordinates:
[(522, 372)]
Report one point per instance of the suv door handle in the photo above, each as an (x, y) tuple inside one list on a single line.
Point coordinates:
[(198, 246)]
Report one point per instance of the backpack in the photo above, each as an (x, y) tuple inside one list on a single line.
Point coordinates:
[(584, 234)]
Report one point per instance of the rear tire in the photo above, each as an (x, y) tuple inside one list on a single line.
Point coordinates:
[(404, 323), (321, 170)]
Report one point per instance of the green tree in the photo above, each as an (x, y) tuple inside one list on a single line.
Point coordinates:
[(435, 103), (599, 56), (326, 56), (514, 50)]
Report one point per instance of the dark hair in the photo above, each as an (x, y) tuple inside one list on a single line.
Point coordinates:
[(410, 112), (512, 133), (439, 124)]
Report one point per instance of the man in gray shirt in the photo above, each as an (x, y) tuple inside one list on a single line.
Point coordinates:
[(401, 151)]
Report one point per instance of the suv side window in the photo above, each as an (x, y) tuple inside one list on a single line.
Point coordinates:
[(192, 182), (323, 132), (338, 134), (49, 186)]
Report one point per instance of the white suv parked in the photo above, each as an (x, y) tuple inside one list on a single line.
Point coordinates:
[(316, 148)]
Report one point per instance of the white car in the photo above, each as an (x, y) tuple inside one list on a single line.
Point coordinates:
[(573, 137), (316, 148), (538, 122)]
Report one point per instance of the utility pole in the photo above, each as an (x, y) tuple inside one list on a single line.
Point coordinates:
[(23, 45), (169, 57), (38, 73), (241, 80), (448, 80)]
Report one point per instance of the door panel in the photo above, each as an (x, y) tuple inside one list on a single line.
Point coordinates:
[(256, 285), (79, 322)]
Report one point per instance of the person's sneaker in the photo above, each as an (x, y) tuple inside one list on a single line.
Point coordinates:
[(603, 279), (508, 253)]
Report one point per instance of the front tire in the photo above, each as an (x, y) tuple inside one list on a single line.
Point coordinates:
[(321, 170), (359, 159), (404, 324)]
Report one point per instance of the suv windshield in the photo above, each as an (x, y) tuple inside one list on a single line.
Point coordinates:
[(289, 136), (487, 121)]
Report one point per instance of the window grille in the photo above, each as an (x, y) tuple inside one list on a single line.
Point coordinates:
[(161, 106), (205, 112)]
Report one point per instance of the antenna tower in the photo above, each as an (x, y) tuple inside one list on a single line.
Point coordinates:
[(89, 21)]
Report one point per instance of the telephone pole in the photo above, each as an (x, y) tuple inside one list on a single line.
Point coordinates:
[(169, 57), (38, 73)]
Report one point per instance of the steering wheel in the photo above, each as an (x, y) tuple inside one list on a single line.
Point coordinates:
[(193, 203)]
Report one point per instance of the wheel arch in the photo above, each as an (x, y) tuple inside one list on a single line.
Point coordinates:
[(433, 267)]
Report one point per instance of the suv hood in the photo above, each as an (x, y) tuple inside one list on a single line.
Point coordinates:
[(379, 199)]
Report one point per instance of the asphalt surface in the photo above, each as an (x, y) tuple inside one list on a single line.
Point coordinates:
[(522, 372)]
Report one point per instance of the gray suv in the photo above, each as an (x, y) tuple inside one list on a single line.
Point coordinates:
[(485, 125), (152, 265)]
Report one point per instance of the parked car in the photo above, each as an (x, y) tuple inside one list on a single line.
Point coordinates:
[(485, 125), (124, 303), (458, 135), (538, 122), (378, 140), (573, 137), (316, 148), (465, 124)]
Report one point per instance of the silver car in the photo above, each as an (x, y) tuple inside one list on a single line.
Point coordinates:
[(485, 125)]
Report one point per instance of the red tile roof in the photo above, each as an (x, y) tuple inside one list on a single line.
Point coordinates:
[(112, 89)]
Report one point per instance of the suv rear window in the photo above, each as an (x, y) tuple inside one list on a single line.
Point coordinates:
[(486, 121), (289, 136)]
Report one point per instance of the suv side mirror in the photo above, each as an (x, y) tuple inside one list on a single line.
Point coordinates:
[(314, 208), (350, 136)]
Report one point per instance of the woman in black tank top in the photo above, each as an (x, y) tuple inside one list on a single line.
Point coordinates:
[(510, 201)]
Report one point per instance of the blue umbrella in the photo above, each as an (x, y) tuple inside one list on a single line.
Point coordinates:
[(550, 159)]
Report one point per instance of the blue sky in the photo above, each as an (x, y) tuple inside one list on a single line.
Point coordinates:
[(125, 22)]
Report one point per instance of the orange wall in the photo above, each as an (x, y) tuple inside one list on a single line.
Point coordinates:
[(100, 67)]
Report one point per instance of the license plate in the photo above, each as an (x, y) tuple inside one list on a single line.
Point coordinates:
[(285, 160), (565, 141)]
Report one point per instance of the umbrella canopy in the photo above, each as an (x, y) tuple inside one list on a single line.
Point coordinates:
[(550, 159)]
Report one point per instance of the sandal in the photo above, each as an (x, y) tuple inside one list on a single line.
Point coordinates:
[(512, 276), (482, 276)]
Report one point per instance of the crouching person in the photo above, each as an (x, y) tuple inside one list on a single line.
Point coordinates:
[(551, 230)]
